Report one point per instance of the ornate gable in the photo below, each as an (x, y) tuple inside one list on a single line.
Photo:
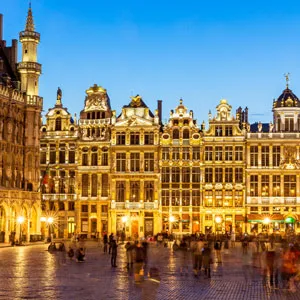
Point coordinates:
[(96, 99)]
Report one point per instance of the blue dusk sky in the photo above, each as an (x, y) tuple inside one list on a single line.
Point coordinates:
[(200, 51)]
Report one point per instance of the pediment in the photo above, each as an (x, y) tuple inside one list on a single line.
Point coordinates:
[(134, 121)]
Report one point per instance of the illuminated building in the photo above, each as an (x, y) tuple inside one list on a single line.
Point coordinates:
[(20, 113)]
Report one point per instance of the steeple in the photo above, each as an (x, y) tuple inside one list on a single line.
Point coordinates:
[(29, 20)]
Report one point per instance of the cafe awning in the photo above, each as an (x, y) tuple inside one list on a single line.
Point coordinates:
[(265, 218)]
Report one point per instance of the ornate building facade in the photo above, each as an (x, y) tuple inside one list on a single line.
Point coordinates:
[(20, 114)]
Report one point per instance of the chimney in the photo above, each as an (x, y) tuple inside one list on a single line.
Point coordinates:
[(159, 108), (1, 27), (14, 53)]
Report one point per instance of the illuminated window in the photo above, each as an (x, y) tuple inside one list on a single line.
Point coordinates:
[(165, 197), (120, 191), (218, 153), (238, 151), (165, 174), (134, 191), (289, 185), (265, 182), (185, 174), (254, 156), (149, 191), (149, 138), (149, 162), (218, 175), (276, 186), (208, 153), (85, 185), (134, 162), (254, 185)]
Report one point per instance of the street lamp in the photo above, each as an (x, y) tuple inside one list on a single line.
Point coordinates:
[(20, 221), (50, 221), (171, 219), (124, 221)]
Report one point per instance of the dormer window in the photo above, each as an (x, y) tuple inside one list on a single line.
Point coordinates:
[(289, 124), (219, 131), (58, 124)]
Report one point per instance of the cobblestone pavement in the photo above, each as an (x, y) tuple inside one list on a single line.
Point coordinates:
[(33, 273)]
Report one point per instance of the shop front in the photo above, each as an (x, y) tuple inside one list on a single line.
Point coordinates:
[(266, 223)]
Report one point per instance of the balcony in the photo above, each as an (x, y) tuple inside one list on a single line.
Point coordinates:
[(30, 66), (60, 197), (94, 122), (29, 34)]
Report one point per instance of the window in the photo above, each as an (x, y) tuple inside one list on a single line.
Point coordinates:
[(71, 182), (52, 154), (265, 157), (134, 138), (149, 191), (84, 225), (85, 185), (134, 191), (185, 198), (289, 185), (219, 131), (84, 208), (208, 175), (165, 197), (85, 159), (61, 206), (105, 185), (186, 134), (71, 206), (254, 156), (165, 174), (148, 161), (43, 157), (276, 156), (238, 198), (165, 153), (196, 197), (71, 153), (185, 174), (175, 174), (121, 162), (93, 208), (238, 153), (228, 175), (238, 175), (121, 138), (175, 134), (196, 153), (104, 208), (149, 138), (62, 153), (228, 130), (218, 153), (104, 158), (134, 162), (94, 159), (58, 124), (208, 153), (175, 153), (120, 187), (175, 194), (186, 153), (265, 209), (289, 124), (195, 174), (218, 175), (265, 185), (208, 217), (254, 185), (94, 185), (61, 182), (228, 153), (276, 186), (208, 195)]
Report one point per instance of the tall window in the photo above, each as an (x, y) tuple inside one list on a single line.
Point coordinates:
[(134, 191), (238, 198), (165, 197), (196, 174), (208, 153), (196, 197), (276, 186), (185, 174), (238, 153), (265, 185), (175, 153), (208, 196), (254, 185), (208, 175), (43, 157), (175, 194), (134, 138), (218, 153), (265, 156), (219, 131), (94, 159), (289, 185), (149, 191), (165, 174), (85, 185), (289, 124), (61, 183), (121, 138), (85, 159), (71, 182), (134, 162), (175, 134), (52, 154), (186, 153), (104, 185), (276, 156), (238, 175), (218, 175), (196, 153), (120, 187), (94, 185), (121, 162), (104, 157), (228, 175), (165, 153), (148, 161), (58, 124), (186, 134), (228, 130), (71, 154), (185, 197), (175, 174), (254, 156), (228, 153), (62, 153), (149, 138)]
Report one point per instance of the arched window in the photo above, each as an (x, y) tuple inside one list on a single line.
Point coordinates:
[(58, 123), (175, 134), (186, 134)]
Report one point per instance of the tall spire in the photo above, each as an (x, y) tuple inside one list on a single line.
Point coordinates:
[(29, 20), (287, 79)]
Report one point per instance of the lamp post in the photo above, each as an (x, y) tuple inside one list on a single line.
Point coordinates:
[(124, 221), (20, 221), (50, 221), (171, 219)]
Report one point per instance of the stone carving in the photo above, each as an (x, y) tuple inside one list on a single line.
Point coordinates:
[(289, 160)]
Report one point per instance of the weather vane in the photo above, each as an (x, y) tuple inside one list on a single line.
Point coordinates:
[(287, 79)]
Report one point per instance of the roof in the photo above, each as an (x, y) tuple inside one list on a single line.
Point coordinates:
[(286, 99), (254, 127)]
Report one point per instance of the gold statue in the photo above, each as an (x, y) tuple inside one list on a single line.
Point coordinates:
[(136, 101)]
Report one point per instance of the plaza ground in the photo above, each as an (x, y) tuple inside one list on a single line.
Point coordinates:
[(30, 272)]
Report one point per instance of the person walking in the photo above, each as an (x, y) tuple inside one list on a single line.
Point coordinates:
[(105, 242), (206, 259), (114, 253), (218, 247), (129, 254), (198, 247), (138, 263), (110, 240)]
